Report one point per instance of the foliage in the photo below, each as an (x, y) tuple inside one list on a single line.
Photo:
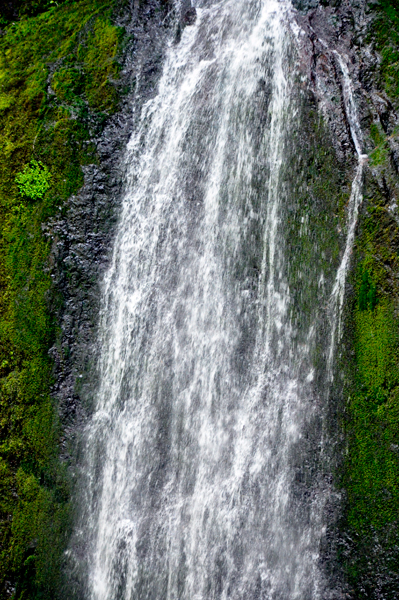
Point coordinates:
[(374, 465), (371, 464), (34, 180), (385, 34), (370, 475), (49, 65), (367, 292), (11, 10)]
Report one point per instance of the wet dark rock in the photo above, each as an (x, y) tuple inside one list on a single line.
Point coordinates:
[(82, 235), (189, 17), (305, 5), (327, 28)]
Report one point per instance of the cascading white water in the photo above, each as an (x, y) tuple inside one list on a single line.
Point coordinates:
[(355, 200), (205, 390)]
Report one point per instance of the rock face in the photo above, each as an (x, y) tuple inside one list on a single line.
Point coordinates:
[(82, 238), (305, 5), (188, 13), (363, 543), (361, 547), (61, 87)]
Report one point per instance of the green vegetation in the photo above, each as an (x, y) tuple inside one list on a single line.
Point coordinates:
[(380, 154), (371, 465), (370, 474), (373, 487), (313, 219), (367, 292), (34, 180), (385, 34), (55, 73), (12, 10)]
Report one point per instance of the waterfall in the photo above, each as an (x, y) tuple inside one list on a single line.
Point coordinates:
[(188, 478), (355, 200)]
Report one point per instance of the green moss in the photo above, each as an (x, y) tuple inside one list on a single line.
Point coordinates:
[(55, 72), (98, 58), (68, 84), (385, 33), (367, 292), (313, 221), (379, 155), (11, 11), (371, 470), (371, 464)]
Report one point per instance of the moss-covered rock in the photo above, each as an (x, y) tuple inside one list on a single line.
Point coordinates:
[(370, 469), (57, 74)]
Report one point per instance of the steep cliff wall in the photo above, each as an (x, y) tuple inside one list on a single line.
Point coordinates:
[(371, 464), (366, 34), (72, 80), (67, 75)]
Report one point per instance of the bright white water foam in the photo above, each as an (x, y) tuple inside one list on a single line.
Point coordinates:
[(205, 394)]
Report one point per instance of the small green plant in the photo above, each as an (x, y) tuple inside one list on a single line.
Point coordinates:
[(34, 180)]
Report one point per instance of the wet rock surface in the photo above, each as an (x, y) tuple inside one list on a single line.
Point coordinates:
[(188, 13), (360, 565), (344, 29), (305, 5), (82, 236)]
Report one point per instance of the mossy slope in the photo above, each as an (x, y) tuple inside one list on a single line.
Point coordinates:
[(371, 464), (56, 71), (370, 476)]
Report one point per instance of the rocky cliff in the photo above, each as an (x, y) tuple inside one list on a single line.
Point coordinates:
[(73, 79), (365, 33)]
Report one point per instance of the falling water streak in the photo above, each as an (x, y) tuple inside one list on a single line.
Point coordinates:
[(188, 473), (336, 301), (355, 200)]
